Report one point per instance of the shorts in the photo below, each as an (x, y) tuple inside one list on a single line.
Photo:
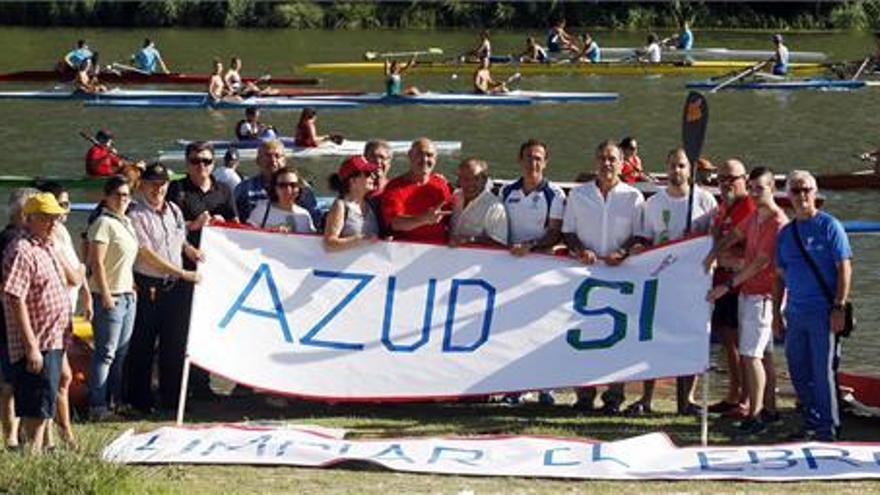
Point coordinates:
[(35, 394), (726, 313), (755, 325), (6, 370)]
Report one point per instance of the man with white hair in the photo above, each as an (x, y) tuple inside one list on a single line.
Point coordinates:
[(814, 264), (478, 216)]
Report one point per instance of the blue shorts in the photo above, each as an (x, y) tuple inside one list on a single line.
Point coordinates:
[(35, 394)]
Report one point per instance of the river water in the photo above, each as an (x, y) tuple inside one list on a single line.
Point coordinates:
[(815, 130)]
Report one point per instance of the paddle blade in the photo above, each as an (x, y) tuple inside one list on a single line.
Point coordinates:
[(693, 125), (435, 51), (370, 55)]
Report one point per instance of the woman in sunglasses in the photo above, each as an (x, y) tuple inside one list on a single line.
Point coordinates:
[(351, 220), (280, 212)]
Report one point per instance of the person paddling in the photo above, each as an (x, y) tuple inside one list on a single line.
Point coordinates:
[(534, 52), (250, 128), (72, 61), (235, 85), (394, 78), (780, 57), (558, 40), (216, 87), (307, 131), (148, 59), (589, 52), (85, 81), (684, 40), (482, 50), (483, 82), (652, 53)]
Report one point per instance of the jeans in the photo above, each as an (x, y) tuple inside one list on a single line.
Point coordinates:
[(112, 328)]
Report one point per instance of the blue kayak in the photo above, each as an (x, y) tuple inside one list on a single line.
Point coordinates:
[(511, 98), (781, 85)]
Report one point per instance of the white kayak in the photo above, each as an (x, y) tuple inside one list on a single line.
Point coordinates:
[(511, 98), (347, 148), (715, 54), (112, 94)]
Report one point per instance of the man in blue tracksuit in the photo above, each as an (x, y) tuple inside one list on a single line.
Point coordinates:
[(814, 316)]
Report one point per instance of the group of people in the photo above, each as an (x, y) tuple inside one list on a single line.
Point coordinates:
[(230, 84), (140, 257), (84, 64)]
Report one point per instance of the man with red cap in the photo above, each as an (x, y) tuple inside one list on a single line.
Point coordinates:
[(102, 159)]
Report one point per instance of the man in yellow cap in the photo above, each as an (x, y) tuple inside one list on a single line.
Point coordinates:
[(38, 314)]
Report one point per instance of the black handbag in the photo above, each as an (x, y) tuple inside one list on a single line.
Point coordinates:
[(849, 313)]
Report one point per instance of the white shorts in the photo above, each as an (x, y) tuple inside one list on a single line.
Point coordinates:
[(755, 325)]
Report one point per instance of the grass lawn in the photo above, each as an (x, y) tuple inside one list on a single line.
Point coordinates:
[(81, 472)]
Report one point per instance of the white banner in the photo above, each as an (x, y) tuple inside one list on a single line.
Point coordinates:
[(402, 321), (651, 456)]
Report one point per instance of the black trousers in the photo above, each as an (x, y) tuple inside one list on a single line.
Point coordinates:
[(160, 328)]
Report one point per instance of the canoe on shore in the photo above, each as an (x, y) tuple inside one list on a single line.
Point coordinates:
[(138, 78), (783, 85), (247, 150), (608, 68)]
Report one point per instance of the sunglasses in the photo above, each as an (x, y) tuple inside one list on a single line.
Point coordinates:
[(730, 178), (796, 191), (201, 161)]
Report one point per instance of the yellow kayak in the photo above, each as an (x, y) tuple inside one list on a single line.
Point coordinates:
[(608, 68)]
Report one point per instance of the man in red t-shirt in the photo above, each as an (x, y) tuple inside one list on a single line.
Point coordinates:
[(102, 159), (734, 209), (756, 279), (415, 205)]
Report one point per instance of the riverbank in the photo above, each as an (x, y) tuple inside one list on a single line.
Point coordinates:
[(779, 16)]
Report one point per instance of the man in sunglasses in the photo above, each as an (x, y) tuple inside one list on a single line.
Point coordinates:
[(201, 199), (271, 156), (736, 206), (814, 263)]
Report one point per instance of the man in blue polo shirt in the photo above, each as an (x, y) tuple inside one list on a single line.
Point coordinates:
[(148, 59), (814, 315), (75, 58)]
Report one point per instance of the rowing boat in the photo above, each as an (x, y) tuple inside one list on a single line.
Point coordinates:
[(728, 54), (138, 78), (784, 85), (270, 102), (607, 68), (510, 98), (247, 150), (130, 94)]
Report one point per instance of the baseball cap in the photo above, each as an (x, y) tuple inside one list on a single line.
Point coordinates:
[(104, 135), (354, 165), (43, 202), (156, 172)]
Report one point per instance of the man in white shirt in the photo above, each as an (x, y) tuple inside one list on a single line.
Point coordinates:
[(534, 205), (601, 221), (652, 53), (228, 172), (477, 215), (665, 220)]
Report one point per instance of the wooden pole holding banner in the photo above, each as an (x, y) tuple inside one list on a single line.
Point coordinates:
[(695, 119), (184, 389)]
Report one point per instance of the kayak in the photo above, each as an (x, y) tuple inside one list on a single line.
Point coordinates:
[(138, 78), (562, 67), (247, 150), (723, 54), (271, 102), (130, 94), (511, 98), (781, 85)]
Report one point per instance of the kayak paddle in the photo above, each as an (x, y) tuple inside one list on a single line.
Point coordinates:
[(693, 133), (751, 70), (429, 51)]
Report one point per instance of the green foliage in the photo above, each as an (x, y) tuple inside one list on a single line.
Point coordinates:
[(351, 15), (299, 15), (240, 13), (849, 15), (158, 13)]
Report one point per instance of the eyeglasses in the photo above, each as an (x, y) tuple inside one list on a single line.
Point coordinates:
[(729, 178), (205, 162), (796, 191), (64, 204)]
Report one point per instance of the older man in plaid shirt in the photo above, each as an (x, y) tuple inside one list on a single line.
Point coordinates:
[(37, 316)]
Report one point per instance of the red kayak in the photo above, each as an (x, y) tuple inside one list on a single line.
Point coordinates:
[(138, 78)]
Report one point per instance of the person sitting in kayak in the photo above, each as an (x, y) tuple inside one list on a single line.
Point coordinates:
[(102, 159), (217, 89), (250, 128), (482, 50), (307, 131), (148, 59), (780, 57), (652, 52), (71, 62), (590, 51), (86, 80), (483, 82), (558, 40), (534, 52), (684, 40), (235, 86), (394, 80)]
